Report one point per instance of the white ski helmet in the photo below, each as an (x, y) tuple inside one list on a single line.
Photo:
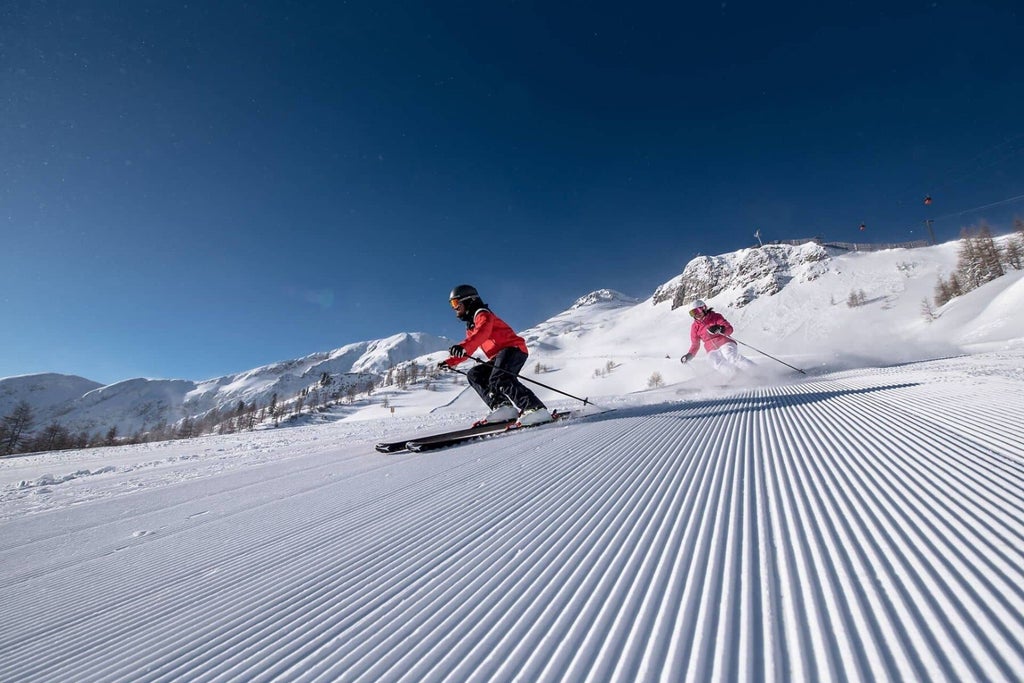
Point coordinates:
[(698, 304)]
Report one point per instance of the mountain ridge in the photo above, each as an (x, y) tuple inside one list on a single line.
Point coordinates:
[(139, 403), (790, 299)]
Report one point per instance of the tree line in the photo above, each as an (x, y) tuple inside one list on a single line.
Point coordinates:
[(17, 435), (981, 260)]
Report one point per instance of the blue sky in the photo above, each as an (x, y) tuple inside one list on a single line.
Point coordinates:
[(188, 191)]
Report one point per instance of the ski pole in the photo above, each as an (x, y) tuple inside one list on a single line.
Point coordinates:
[(764, 354), (586, 401)]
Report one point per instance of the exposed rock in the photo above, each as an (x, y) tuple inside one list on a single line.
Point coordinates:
[(746, 274)]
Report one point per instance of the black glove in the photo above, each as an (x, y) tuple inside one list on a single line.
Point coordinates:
[(457, 351), (716, 329), (443, 365), (687, 358)]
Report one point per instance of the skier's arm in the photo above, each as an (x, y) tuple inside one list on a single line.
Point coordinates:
[(694, 341), (483, 322), (718, 325), (481, 332)]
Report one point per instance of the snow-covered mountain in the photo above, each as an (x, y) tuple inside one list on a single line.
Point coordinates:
[(793, 302), (605, 298), (140, 404), (44, 392)]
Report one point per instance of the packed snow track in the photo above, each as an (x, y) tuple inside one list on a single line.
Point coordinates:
[(866, 525)]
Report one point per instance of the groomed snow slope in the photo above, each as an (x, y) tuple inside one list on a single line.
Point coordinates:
[(864, 525)]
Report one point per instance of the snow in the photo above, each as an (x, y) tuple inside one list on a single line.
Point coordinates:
[(141, 404), (864, 521)]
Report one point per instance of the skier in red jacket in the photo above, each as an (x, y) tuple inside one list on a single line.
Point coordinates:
[(497, 380), (713, 329)]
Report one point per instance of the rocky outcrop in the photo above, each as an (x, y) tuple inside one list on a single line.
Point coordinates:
[(744, 275)]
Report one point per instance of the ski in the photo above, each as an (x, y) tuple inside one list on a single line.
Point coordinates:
[(477, 430), (443, 441)]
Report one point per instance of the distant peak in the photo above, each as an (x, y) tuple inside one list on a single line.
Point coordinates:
[(604, 296)]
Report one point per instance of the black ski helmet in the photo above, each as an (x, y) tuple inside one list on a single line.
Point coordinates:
[(462, 292), (470, 300)]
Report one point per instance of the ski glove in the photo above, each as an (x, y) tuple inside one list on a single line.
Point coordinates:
[(443, 365), (716, 329), (687, 358), (457, 351)]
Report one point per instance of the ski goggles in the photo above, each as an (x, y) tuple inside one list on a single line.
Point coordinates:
[(693, 313), (455, 303)]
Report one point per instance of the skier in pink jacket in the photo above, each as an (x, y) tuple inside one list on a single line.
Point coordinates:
[(714, 330)]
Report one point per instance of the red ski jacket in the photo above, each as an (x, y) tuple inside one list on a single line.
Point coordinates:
[(699, 331), (490, 334)]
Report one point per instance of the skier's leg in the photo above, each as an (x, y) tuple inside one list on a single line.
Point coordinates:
[(720, 362), (511, 361), (731, 353), (479, 378)]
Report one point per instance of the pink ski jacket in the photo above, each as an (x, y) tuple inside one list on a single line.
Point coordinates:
[(699, 331)]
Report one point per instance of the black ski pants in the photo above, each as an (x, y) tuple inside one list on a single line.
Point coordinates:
[(497, 381)]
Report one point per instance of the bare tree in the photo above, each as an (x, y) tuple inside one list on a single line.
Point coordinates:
[(278, 412), (967, 267), (927, 311), (187, 429), (1013, 252), (988, 252), (942, 292), (857, 298), (53, 437), (16, 427), (978, 260)]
